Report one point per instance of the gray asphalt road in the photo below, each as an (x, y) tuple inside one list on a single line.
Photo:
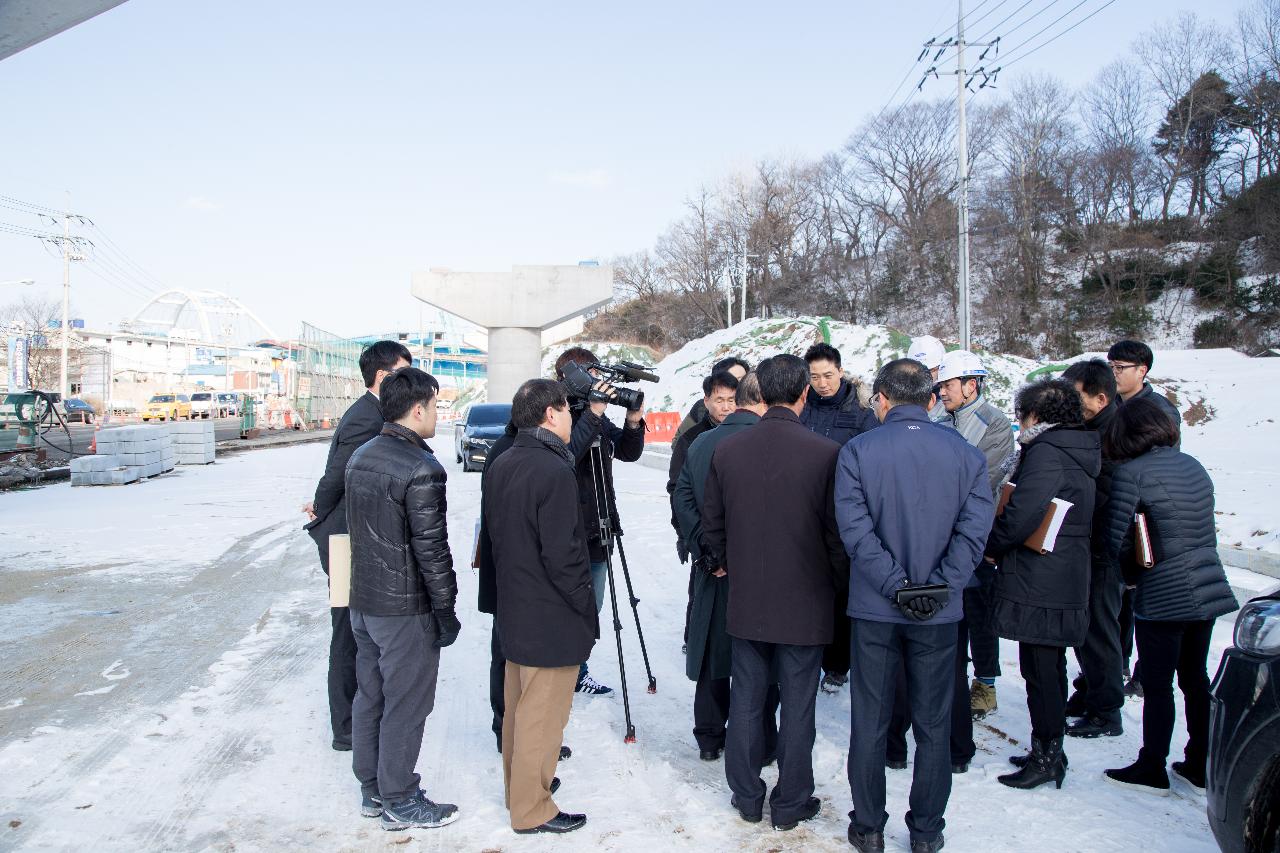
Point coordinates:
[(55, 442)]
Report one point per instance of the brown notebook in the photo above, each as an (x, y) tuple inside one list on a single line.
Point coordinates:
[(1046, 535), (1144, 553)]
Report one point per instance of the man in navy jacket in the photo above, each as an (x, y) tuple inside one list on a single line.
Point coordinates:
[(914, 508)]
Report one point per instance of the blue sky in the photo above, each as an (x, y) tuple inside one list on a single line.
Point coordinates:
[(306, 157)]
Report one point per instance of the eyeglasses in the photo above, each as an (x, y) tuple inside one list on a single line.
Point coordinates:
[(874, 402), (1121, 367)]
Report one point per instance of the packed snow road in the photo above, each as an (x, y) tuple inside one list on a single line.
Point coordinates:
[(163, 688)]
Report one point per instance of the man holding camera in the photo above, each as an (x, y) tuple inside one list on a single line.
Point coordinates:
[(911, 551), (626, 443)]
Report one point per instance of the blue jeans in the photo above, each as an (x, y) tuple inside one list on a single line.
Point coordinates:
[(599, 579)]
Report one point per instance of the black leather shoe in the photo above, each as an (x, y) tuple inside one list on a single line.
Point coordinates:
[(809, 812), (710, 754), (1097, 725), (872, 842), (341, 745), (919, 845), (555, 784), (962, 767), (562, 822), (749, 817), (896, 763)]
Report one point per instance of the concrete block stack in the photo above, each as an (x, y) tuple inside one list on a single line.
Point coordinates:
[(193, 441), (125, 455)]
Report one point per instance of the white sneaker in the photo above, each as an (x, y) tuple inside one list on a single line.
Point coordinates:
[(591, 687)]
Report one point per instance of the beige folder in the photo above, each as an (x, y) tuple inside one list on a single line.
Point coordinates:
[(339, 569)]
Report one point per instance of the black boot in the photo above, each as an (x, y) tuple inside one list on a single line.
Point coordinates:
[(1045, 766), (1021, 760)]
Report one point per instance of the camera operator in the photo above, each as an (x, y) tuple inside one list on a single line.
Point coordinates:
[(626, 443)]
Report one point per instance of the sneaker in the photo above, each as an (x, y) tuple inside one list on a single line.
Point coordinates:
[(370, 805), (1183, 771), (1133, 688), (565, 752), (982, 699), (418, 812), (832, 682), (591, 687), (1139, 778), (562, 822)]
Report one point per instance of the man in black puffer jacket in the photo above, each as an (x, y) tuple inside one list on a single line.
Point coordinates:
[(403, 592)]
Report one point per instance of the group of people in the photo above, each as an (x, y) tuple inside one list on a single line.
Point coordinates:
[(919, 510), (880, 537)]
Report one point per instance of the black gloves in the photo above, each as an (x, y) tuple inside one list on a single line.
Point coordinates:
[(921, 602), (708, 563), (448, 627)]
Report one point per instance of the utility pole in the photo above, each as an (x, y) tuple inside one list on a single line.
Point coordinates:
[(728, 298), (63, 389), (962, 169), (742, 312), (964, 78)]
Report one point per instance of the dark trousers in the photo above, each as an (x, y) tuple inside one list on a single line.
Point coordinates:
[(1101, 662), (398, 664), (497, 679), (927, 653), (1044, 668), (1167, 648), (712, 707), (983, 640), (796, 669), (342, 656), (961, 739), (835, 657)]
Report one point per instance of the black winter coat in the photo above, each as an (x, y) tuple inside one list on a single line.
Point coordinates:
[(769, 508), (487, 585), (1044, 598), (1149, 393), (546, 606), (1102, 565), (708, 637), (679, 452), (1187, 582), (624, 443), (839, 417), (360, 423), (396, 513)]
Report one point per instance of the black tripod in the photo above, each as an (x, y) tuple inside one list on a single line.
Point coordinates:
[(607, 537)]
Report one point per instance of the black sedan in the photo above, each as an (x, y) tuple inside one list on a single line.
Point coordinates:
[(484, 425), (1243, 779)]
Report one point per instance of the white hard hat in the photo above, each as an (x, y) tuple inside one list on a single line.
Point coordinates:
[(927, 350), (959, 363)]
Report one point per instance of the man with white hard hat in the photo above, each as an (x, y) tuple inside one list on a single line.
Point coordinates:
[(929, 351), (961, 378)]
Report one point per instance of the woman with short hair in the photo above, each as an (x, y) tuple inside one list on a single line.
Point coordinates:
[(1176, 600), (1042, 596)]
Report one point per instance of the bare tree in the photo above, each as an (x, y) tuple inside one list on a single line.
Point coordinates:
[(1117, 113)]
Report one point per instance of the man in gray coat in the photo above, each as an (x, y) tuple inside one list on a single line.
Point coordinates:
[(708, 658), (961, 378)]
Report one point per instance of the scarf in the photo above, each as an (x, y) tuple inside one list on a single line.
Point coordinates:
[(551, 440), (1030, 434)]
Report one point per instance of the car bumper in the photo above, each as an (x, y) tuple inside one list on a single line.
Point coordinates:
[(1244, 737), (476, 454)]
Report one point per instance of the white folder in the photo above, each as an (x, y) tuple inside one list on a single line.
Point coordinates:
[(339, 570)]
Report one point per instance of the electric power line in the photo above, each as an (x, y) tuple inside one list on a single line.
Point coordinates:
[(1022, 56)]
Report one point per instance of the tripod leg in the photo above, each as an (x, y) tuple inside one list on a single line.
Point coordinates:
[(626, 575), (630, 736)]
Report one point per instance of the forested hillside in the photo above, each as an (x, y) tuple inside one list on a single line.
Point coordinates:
[(1146, 204)]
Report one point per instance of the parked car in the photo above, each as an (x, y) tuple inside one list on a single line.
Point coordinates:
[(78, 411), (202, 405), (167, 407), (229, 404), (1243, 778), (472, 439)]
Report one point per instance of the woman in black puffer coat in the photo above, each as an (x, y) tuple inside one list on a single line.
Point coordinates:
[(1042, 600), (1175, 601)]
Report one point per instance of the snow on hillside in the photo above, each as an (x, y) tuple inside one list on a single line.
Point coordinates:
[(863, 350)]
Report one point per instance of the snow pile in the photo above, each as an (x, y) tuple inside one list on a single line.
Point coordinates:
[(863, 350)]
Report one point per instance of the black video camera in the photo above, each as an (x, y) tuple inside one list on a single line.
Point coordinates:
[(580, 384)]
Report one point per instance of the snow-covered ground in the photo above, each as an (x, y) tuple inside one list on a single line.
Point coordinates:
[(163, 688)]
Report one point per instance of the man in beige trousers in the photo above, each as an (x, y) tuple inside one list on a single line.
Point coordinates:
[(547, 619)]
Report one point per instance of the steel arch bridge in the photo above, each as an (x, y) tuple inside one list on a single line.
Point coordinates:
[(212, 315)]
